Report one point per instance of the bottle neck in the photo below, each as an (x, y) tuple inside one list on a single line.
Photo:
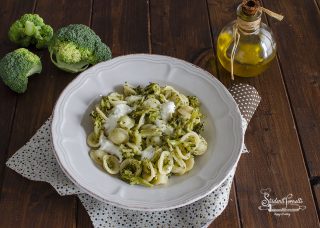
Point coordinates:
[(248, 27), (246, 23)]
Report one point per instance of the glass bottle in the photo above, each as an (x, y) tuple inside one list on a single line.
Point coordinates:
[(256, 47)]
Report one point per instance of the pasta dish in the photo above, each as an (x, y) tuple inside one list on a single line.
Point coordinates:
[(146, 134)]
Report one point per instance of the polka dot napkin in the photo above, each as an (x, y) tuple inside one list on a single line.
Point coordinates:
[(36, 161)]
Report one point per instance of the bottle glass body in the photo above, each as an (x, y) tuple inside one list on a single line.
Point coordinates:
[(253, 54)]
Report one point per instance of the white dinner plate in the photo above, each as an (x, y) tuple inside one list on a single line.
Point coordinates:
[(71, 125)]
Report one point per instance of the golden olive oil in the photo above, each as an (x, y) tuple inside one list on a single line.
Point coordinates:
[(250, 59), (256, 47)]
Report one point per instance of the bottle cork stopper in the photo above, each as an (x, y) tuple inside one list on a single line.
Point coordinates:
[(250, 7)]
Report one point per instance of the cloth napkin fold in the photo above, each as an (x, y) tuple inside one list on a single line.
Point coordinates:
[(36, 161)]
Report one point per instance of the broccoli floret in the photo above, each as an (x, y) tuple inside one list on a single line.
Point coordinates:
[(17, 66), (30, 29), (74, 47), (194, 101)]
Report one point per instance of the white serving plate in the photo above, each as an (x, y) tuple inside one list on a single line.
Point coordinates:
[(71, 125)]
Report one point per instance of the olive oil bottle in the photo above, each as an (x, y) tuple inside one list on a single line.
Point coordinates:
[(247, 46)]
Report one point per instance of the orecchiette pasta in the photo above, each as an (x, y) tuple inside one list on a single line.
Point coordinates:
[(201, 148), (179, 166), (111, 164), (182, 153), (93, 141), (149, 171), (154, 140), (185, 111), (150, 130), (191, 141), (97, 156), (144, 135), (116, 98), (160, 179), (126, 122), (151, 103), (131, 167), (131, 100), (189, 163), (128, 90), (136, 138), (101, 113), (165, 163), (118, 136)]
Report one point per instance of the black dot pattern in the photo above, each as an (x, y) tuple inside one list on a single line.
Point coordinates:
[(198, 214), (36, 161), (247, 98)]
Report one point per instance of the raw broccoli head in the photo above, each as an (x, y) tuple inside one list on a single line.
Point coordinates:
[(74, 47), (30, 29), (17, 66)]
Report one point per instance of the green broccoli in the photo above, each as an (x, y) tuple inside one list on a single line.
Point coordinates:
[(194, 101), (30, 29), (17, 66), (74, 47)]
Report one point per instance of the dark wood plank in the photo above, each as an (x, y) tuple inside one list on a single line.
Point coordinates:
[(28, 204), (276, 159), (298, 50), (83, 219), (123, 25), (180, 28), (31, 204), (9, 12)]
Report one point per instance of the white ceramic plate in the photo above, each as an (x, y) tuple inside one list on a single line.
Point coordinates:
[(71, 125)]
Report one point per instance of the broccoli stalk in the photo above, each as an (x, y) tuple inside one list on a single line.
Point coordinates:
[(74, 47), (30, 29), (17, 66)]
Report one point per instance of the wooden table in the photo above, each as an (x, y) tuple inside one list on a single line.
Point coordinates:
[(283, 136)]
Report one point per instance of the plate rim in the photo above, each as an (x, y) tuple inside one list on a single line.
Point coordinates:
[(157, 58)]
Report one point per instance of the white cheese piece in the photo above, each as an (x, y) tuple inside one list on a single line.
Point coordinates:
[(121, 110), (166, 129), (116, 113), (110, 148), (167, 109)]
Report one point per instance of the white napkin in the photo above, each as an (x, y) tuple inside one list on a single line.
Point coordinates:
[(36, 161)]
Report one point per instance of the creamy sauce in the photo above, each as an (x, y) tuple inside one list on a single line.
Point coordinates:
[(167, 109), (110, 148), (148, 153), (116, 113)]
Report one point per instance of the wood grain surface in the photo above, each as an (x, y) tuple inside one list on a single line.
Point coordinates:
[(283, 136), (276, 160), (9, 11), (299, 62), (22, 198)]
